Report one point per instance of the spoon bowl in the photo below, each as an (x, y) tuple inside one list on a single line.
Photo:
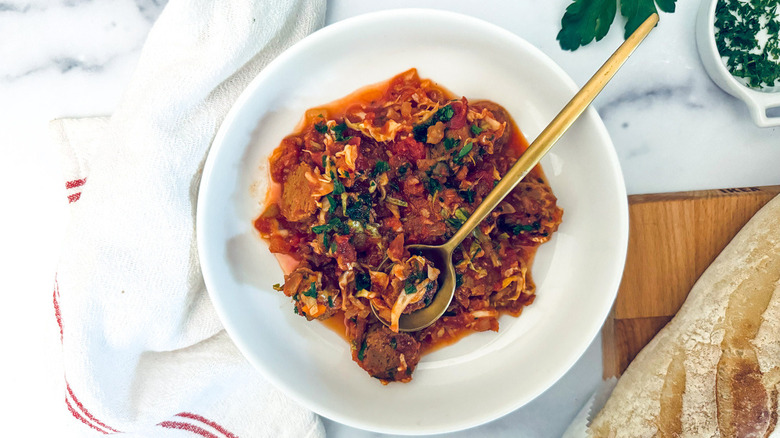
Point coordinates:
[(441, 257)]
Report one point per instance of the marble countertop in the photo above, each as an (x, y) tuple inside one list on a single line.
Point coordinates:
[(672, 127)]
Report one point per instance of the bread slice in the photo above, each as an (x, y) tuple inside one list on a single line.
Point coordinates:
[(714, 369)]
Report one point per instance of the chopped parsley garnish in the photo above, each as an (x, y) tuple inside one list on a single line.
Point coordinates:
[(519, 228), (421, 132), (450, 143), (330, 301), (458, 280), (476, 129), (338, 187), (359, 209), (331, 204), (333, 224), (362, 352), (434, 186), (402, 170), (409, 288), (362, 281), (321, 127), (393, 343), (739, 24), (338, 132), (312, 292), (468, 195), (380, 167), (463, 152), (444, 114)]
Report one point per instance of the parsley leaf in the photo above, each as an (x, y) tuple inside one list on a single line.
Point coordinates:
[(321, 127), (361, 354), (338, 187), (586, 20), (312, 292), (362, 281), (450, 143), (338, 132), (463, 152), (380, 167), (434, 186)]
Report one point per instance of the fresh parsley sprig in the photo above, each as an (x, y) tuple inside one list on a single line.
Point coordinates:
[(586, 20)]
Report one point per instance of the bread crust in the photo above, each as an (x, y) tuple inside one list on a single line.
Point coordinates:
[(714, 370)]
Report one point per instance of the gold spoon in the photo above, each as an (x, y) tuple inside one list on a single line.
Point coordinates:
[(441, 255)]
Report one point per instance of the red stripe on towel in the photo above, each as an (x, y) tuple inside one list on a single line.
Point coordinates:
[(208, 422), (82, 419), (74, 197), (57, 307), (188, 427), (84, 410), (75, 183)]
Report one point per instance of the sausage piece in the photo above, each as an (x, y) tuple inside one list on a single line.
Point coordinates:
[(389, 356), (297, 203)]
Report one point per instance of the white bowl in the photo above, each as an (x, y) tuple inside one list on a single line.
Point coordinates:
[(758, 102), (485, 375)]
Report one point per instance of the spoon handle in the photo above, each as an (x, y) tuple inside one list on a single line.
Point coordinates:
[(553, 131)]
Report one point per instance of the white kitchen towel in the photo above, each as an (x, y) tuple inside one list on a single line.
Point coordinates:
[(144, 352)]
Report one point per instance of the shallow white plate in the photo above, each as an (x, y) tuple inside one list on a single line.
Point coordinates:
[(486, 375)]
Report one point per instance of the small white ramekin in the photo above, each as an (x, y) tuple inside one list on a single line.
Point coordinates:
[(758, 102)]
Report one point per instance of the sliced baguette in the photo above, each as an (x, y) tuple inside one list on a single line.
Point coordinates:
[(714, 370)]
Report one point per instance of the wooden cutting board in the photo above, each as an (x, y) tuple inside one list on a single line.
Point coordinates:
[(673, 238)]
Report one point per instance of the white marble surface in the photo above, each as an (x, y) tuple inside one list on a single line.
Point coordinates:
[(672, 127)]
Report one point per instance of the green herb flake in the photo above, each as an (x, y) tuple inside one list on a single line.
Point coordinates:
[(338, 132), (338, 187), (330, 301), (331, 204), (467, 195), (434, 186), (321, 127), (464, 151), (362, 353), (476, 129), (444, 114), (450, 143), (362, 281), (319, 229), (402, 170), (409, 288), (393, 343), (312, 292), (380, 167), (278, 287)]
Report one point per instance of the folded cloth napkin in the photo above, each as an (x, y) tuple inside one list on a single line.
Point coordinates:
[(144, 352)]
